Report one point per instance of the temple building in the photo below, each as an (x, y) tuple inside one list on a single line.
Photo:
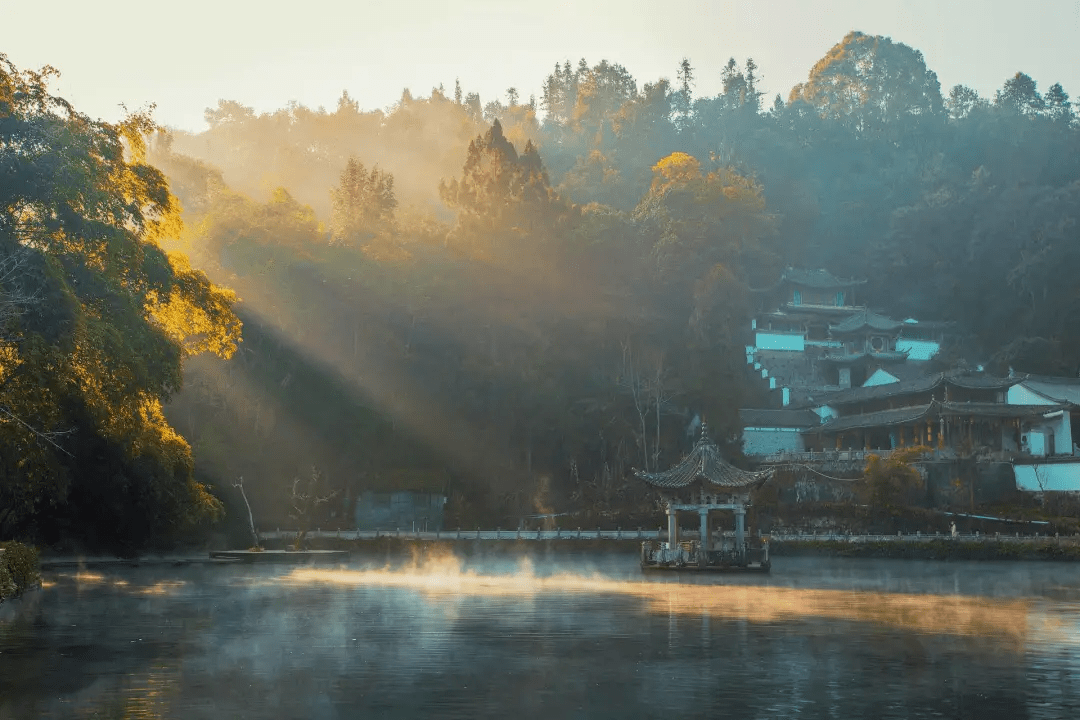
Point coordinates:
[(810, 335), (1030, 422), (703, 483)]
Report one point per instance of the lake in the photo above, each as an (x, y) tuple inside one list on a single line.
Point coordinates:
[(555, 635)]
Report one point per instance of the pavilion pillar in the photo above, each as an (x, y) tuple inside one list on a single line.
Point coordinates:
[(703, 546), (672, 528), (740, 532)]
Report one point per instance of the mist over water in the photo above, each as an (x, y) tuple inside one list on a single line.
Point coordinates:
[(545, 636)]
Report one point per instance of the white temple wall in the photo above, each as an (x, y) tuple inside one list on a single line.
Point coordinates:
[(766, 441)]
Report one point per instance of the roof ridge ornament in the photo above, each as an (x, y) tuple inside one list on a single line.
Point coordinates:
[(704, 464)]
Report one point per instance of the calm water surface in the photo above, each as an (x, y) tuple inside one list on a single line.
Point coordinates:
[(560, 636)]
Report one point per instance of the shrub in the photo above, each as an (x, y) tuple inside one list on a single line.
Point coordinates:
[(7, 585), (18, 569)]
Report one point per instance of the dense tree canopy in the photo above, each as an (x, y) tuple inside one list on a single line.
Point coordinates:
[(513, 301), (100, 319), (578, 291)]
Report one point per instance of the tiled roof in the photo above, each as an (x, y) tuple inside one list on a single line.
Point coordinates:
[(997, 409), (910, 370), (785, 418), (1062, 389), (899, 416), (908, 387), (704, 463), (852, 358), (984, 382), (866, 320), (819, 278), (930, 324)]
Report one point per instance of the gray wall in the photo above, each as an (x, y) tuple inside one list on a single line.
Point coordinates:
[(399, 510)]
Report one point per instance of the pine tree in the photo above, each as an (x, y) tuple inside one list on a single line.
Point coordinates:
[(361, 203), (1058, 107), (753, 95), (684, 96), (1019, 97), (734, 84)]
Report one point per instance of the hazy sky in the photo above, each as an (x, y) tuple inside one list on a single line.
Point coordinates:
[(185, 56)]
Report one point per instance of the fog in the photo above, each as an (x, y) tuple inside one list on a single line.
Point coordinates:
[(498, 310)]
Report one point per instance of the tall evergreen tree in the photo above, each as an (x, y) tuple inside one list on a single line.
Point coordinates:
[(1019, 97), (1058, 107)]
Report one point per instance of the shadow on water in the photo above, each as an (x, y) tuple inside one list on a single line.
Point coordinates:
[(546, 636)]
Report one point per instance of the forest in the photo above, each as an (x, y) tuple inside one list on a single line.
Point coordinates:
[(512, 302)]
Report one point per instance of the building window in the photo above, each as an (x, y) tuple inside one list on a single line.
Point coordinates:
[(797, 299), (840, 298)]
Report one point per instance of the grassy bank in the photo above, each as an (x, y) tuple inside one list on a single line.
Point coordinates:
[(934, 549)]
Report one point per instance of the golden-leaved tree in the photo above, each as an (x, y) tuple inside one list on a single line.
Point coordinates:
[(100, 319)]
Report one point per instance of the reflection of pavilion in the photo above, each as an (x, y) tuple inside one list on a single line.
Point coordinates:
[(704, 483)]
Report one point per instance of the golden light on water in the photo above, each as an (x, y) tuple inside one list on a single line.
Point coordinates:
[(1012, 620), (87, 578)]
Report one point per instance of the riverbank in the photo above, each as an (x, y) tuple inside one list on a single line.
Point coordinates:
[(19, 569), (1035, 549), (393, 549), (900, 548)]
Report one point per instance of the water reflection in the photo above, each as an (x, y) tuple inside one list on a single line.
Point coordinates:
[(495, 637), (944, 614)]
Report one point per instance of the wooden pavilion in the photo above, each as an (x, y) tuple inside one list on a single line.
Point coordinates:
[(704, 483)]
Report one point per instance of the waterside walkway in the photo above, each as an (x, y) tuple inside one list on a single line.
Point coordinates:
[(640, 534)]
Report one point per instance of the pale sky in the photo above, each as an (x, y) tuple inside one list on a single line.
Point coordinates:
[(184, 56)]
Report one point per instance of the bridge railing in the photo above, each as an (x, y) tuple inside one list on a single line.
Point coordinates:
[(638, 534), (818, 456), (477, 534)]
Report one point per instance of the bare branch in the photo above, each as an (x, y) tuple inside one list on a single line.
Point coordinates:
[(46, 436)]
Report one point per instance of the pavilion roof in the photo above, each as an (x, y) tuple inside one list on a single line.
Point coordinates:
[(703, 463), (819, 278), (866, 320)]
